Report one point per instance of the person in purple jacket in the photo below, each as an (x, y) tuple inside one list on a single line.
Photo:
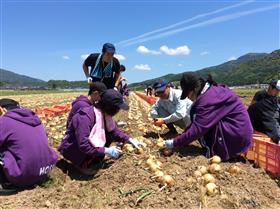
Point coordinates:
[(92, 130), (95, 90), (25, 156), (219, 119)]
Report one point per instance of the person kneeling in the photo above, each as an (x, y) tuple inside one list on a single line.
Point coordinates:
[(25, 156), (92, 130), (169, 108)]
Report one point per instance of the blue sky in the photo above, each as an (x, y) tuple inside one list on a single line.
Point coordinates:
[(48, 39)]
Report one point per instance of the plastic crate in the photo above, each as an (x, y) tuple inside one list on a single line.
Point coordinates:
[(265, 153)]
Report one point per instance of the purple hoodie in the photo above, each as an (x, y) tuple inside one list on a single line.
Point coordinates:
[(24, 147), (75, 145), (222, 120), (80, 102)]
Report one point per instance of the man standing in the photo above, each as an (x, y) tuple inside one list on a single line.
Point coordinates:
[(264, 111), (104, 66), (169, 108)]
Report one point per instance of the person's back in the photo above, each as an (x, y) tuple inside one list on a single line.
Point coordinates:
[(26, 155), (264, 114)]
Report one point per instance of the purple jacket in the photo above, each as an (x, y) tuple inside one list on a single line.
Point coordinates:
[(80, 102), (75, 145), (24, 147), (222, 120)]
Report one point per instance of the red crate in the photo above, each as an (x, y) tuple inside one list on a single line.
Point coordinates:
[(265, 153)]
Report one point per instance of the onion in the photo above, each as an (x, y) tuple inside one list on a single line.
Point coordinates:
[(128, 148), (149, 162), (190, 180), (215, 159), (159, 173), (147, 141), (214, 168), (197, 174), (154, 167), (161, 144), (234, 169), (208, 178), (139, 151), (202, 169), (167, 180), (211, 189), (167, 152), (159, 163)]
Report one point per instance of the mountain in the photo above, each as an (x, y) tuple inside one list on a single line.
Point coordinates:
[(14, 79), (250, 68)]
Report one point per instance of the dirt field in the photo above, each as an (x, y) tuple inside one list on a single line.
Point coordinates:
[(127, 183)]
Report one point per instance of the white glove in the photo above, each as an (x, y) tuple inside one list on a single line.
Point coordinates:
[(135, 143), (169, 143), (113, 151), (89, 80)]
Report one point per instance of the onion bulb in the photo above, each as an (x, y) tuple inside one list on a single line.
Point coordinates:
[(208, 178), (149, 162), (234, 169), (211, 189), (159, 163), (197, 174), (167, 152), (167, 180), (215, 159), (202, 169), (128, 147), (159, 173), (214, 168), (139, 151), (154, 167), (161, 144)]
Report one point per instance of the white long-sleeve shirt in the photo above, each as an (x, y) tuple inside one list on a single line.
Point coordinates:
[(173, 108)]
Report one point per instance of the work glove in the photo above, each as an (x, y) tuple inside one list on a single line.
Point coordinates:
[(169, 143), (135, 143), (89, 80), (114, 152), (159, 121)]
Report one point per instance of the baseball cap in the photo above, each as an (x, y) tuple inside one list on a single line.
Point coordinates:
[(114, 98), (8, 104), (275, 84), (160, 86), (108, 47)]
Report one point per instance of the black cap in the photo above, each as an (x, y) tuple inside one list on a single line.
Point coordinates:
[(108, 47), (275, 84), (114, 98), (189, 82), (160, 86), (122, 68), (97, 86), (8, 104)]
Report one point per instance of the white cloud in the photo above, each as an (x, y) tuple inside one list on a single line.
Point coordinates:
[(84, 56), (180, 65), (181, 50), (144, 50), (65, 57), (144, 67), (231, 58), (120, 57), (204, 53)]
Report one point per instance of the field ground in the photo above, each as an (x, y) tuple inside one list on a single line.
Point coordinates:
[(127, 183)]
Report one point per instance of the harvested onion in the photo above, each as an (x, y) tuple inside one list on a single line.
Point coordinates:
[(161, 144), (167, 180), (167, 152), (197, 174), (208, 178), (159, 173), (128, 148), (154, 167), (211, 189), (139, 151), (234, 169), (214, 168), (215, 159), (149, 162), (202, 169)]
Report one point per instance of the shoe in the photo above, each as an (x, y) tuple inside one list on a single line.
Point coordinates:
[(7, 189)]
